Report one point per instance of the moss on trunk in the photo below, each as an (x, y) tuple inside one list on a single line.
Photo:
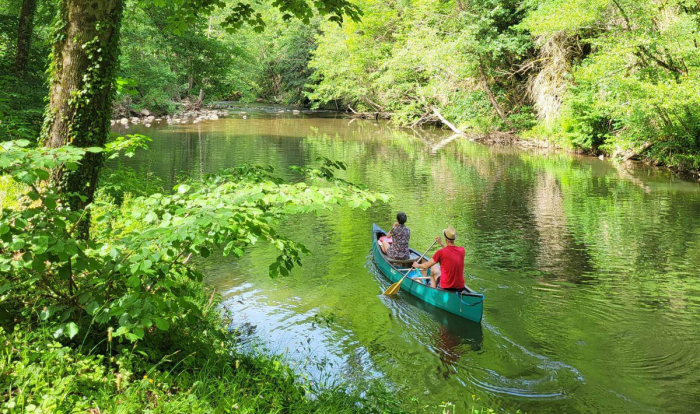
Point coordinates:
[(84, 64)]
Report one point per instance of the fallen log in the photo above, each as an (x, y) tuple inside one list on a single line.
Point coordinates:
[(632, 154), (446, 122)]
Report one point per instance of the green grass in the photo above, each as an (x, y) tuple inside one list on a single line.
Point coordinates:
[(180, 371)]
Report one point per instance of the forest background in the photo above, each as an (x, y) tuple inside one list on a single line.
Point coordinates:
[(602, 77)]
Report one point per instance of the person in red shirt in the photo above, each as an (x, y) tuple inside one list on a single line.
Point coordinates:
[(449, 274)]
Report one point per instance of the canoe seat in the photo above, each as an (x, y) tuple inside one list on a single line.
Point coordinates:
[(400, 262), (404, 262)]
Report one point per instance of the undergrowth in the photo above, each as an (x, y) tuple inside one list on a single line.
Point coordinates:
[(184, 370)]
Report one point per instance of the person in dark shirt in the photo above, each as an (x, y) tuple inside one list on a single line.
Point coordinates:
[(447, 265), (395, 243)]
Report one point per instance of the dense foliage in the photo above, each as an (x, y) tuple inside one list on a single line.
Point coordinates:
[(634, 72), (128, 297), (22, 97), (246, 64), (125, 277), (406, 57), (613, 76), (596, 76)]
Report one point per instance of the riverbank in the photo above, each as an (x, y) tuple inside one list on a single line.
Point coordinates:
[(527, 139), (641, 154), (184, 112), (212, 111), (182, 371), (530, 139)]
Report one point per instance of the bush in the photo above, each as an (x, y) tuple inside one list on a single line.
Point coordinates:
[(187, 369), (123, 313)]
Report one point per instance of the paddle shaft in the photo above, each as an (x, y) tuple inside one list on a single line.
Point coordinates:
[(393, 288)]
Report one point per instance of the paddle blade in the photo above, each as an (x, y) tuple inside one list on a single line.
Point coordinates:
[(393, 289)]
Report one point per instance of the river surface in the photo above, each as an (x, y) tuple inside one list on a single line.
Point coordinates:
[(590, 269)]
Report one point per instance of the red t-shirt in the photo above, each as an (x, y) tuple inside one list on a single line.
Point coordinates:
[(451, 259)]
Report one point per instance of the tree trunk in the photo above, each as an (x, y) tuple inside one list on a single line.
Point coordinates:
[(492, 98), (24, 35), (81, 89), (200, 100)]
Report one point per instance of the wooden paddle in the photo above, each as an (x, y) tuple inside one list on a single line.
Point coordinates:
[(393, 289)]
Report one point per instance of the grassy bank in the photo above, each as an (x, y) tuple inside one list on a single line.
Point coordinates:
[(184, 370), (188, 364)]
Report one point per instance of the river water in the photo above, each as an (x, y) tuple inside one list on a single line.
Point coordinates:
[(590, 268)]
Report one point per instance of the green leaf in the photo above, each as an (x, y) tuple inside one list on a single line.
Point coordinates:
[(139, 332), (133, 281), (38, 264), (102, 316), (17, 244), (58, 332), (42, 174), (162, 324), (146, 264), (27, 177), (50, 202), (72, 329), (92, 307), (183, 188)]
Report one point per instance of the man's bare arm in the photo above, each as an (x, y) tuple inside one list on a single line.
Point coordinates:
[(425, 265)]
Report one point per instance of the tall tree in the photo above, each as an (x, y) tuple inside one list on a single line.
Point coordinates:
[(24, 35), (83, 69)]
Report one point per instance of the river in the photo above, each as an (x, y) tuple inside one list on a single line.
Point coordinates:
[(589, 268)]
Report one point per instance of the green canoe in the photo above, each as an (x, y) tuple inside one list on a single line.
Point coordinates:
[(467, 303)]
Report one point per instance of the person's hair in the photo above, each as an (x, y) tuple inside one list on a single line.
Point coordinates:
[(401, 217)]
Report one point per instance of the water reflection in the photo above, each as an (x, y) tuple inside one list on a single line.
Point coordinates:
[(589, 267)]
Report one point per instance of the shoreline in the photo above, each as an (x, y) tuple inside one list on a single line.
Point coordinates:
[(181, 117), (213, 111), (620, 156), (629, 156)]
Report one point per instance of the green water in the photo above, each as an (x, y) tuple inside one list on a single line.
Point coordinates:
[(590, 269)]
